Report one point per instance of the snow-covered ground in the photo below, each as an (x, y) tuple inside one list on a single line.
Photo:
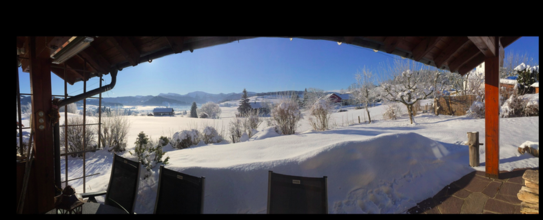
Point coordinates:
[(382, 167)]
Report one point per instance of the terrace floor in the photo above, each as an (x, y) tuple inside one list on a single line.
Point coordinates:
[(476, 194)]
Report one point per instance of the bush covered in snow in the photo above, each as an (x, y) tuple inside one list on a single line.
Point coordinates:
[(513, 107), (114, 130), (211, 109), (392, 112), (285, 117), (185, 138), (320, 114), (75, 136), (210, 135), (236, 129), (148, 153), (532, 105), (72, 108), (477, 110)]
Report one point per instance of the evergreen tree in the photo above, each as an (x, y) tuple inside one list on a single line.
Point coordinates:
[(244, 106), (526, 78), (193, 108), (296, 98), (305, 98)]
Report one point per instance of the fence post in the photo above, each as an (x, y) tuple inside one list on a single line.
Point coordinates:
[(359, 119), (473, 143)]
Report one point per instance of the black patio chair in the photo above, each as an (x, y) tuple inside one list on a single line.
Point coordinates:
[(179, 193), (123, 185), (296, 195)]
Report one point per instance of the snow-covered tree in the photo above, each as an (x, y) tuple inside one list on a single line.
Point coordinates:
[(320, 114), (304, 102), (193, 112), (408, 86), (526, 77), (364, 92), (211, 109), (72, 108), (244, 106), (285, 117)]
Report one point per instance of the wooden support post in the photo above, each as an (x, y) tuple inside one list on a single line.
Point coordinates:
[(40, 84), (492, 111), (359, 119), (473, 143)]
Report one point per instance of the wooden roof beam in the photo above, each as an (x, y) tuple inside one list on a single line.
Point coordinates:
[(349, 39), (127, 49), (485, 44), (71, 75), (451, 49), (176, 43), (97, 61), (478, 60), (390, 43), (468, 54), (424, 47)]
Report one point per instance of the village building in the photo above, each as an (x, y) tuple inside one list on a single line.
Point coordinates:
[(258, 107), (339, 98), (536, 86), (163, 112)]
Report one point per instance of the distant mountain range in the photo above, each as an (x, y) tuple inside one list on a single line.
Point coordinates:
[(170, 98)]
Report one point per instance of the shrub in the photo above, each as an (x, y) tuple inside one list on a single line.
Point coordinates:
[(72, 108), (286, 116), (477, 110), (251, 123), (532, 106), (236, 129), (75, 136), (114, 130), (211, 109), (210, 135), (320, 114), (392, 112), (148, 153), (513, 106), (185, 138)]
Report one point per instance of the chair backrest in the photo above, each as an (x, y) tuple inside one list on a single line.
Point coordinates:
[(123, 184), (296, 195), (179, 193)]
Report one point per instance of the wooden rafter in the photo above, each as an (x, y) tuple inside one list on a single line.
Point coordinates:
[(485, 44), (390, 43), (468, 54), (424, 47), (96, 60), (476, 61), (349, 39), (127, 49), (74, 65), (176, 43), (451, 49)]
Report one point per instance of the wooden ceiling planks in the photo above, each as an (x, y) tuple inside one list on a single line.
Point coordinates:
[(453, 53)]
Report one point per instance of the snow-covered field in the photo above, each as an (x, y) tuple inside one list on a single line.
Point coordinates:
[(382, 167)]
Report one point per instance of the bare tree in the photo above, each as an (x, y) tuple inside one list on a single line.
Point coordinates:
[(364, 93), (408, 86)]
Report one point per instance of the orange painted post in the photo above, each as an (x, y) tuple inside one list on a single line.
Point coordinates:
[(492, 111)]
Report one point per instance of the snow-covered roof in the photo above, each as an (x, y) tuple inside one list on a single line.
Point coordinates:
[(536, 84), (508, 81), (529, 68), (342, 96), (512, 77), (255, 104), (163, 110)]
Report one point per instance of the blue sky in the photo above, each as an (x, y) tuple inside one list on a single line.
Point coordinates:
[(258, 65)]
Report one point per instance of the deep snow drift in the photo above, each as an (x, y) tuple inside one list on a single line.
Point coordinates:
[(382, 167)]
